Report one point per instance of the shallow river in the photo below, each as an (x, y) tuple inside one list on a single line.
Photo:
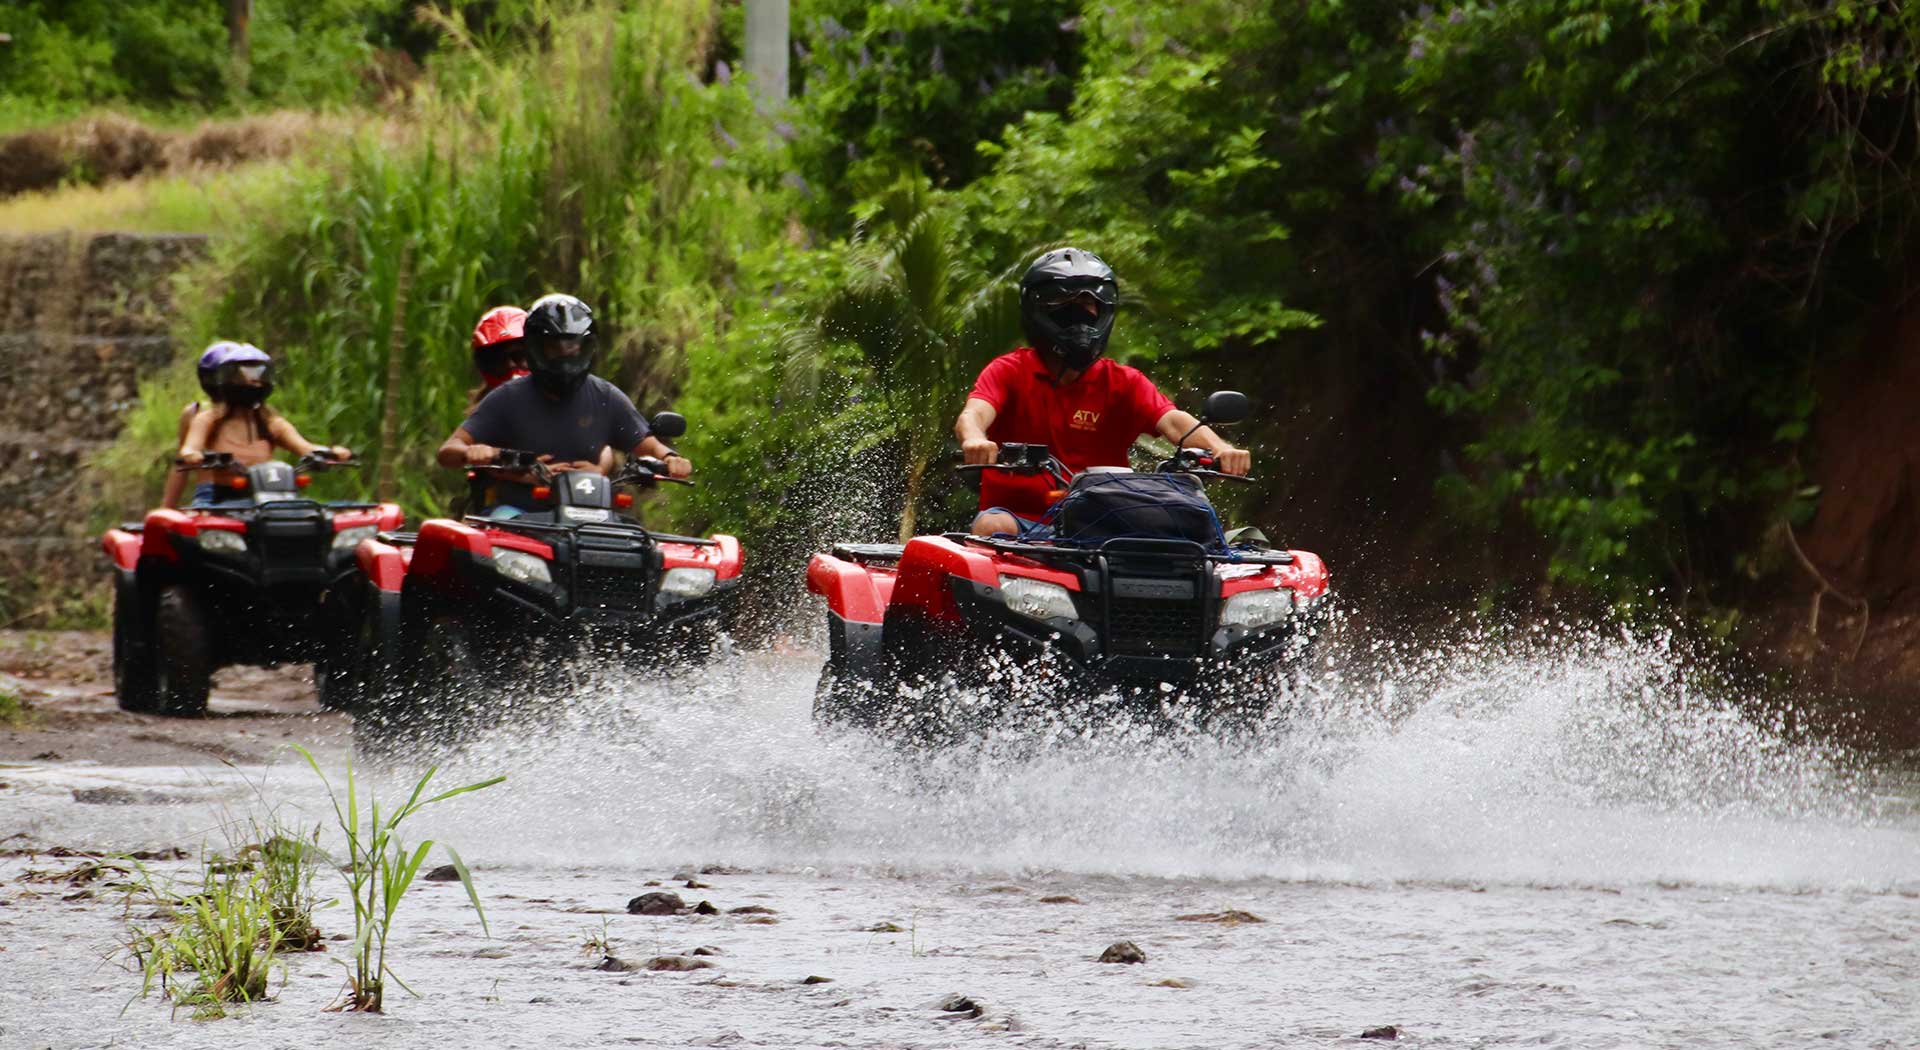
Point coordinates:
[(1539, 841)]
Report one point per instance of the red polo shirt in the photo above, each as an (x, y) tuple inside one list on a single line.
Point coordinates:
[(1090, 422)]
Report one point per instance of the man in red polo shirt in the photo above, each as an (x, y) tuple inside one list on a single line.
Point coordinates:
[(1063, 393)]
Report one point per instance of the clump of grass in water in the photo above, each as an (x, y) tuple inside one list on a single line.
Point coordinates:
[(14, 709), (250, 905), (379, 870)]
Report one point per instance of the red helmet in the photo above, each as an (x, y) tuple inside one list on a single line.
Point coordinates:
[(498, 350)]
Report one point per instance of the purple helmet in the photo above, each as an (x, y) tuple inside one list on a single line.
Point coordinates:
[(236, 373)]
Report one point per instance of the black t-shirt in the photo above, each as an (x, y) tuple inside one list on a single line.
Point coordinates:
[(519, 415)]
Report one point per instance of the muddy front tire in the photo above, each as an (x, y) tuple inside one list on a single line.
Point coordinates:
[(133, 685), (182, 654)]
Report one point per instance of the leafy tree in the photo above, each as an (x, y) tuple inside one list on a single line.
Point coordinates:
[(921, 82)]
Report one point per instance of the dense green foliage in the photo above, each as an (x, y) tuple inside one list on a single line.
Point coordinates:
[(165, 53), (922, 83), (593, 174), (1582, 257)]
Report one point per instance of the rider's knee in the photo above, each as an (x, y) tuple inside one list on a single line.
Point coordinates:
[(994, 522)]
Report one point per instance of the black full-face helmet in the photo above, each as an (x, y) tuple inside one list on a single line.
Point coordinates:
[(560, 343), (1067, 303)]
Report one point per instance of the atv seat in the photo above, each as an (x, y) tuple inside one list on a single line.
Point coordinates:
[(869, 552)]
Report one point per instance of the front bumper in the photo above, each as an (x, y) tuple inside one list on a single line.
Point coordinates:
[(991, 623)]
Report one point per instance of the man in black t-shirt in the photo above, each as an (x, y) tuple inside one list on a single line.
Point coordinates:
[(561, 411)]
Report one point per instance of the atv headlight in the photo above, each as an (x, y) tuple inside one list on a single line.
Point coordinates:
[(223, 541), (519, 565), (686, 583), (348, 539), (1035, 598), (1252, 609)]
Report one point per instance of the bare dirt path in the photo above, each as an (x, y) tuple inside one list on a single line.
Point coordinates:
[(65, 678)]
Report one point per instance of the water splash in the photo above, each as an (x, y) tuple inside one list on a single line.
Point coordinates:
[(1544, 757)]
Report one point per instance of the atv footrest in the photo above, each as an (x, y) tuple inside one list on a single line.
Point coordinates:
[(869, 552)]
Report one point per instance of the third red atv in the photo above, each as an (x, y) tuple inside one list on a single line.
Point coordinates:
[(1138, 600)]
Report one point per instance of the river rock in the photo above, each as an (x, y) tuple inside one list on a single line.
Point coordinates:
[(1123, 952), (1229, 917), (1060, 898), (443, 873), (960, 1006), (1385, 1031), (657, 903), (816, 979), (706, 949), (705, 908), (676, 963), (752, 909)]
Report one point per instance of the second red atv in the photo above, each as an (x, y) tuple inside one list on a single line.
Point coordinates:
[(461, 617), (1138, 598)]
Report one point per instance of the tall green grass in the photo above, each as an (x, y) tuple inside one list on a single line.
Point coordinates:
[(603, 167)]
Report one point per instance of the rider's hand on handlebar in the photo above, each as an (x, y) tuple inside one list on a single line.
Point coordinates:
[(192, 459), (1232, 460), (979, 452), (341, 453), (479, 455), (679, 466)]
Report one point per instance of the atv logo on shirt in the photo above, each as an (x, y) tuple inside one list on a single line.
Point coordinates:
[(1086, 419)]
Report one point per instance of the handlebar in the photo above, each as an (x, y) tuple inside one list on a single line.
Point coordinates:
[(646, 470), (515, 461), (208, 461), (1198, 462), (1024, 458), (312, 461), (1018, 458)]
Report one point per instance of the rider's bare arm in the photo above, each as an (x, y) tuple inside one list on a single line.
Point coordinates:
[(177, 480), (193, 445), (971, 428), (1176, 423), (677, 465), (460, 451)]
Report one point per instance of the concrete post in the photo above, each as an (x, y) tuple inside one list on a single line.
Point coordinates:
[(767, 50), (239, 13)]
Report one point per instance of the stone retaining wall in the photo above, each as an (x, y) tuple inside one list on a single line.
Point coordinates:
[(83, 319)]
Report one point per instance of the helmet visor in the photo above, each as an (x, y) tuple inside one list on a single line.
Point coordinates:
[(1091, 290)]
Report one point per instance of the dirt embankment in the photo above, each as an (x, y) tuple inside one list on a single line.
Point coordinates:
[(110, 148), (1850, 615)]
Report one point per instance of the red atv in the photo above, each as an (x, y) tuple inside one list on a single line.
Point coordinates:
[(1137, 600), (246, 582), (449, 615)]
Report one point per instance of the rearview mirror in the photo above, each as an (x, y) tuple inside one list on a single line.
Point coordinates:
[(1225, 406), (670, 425)]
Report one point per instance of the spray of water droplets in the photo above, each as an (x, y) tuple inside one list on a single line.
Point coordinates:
[(1557, 757)]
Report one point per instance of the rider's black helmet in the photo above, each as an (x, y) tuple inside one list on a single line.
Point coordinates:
[(1067, 301), (560, 343)]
